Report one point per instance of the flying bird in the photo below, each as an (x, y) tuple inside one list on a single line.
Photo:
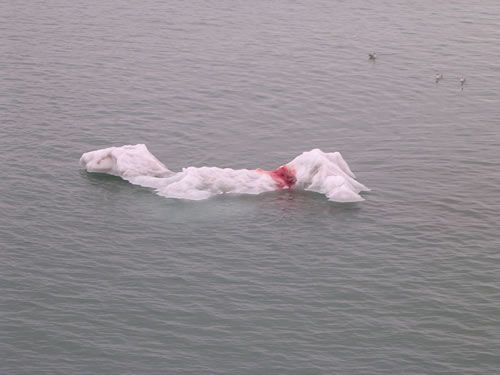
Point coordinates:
[(438, 77), (372, 56)]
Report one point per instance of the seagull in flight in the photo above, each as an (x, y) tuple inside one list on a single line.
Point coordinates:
[(438, 77), (372, 56)]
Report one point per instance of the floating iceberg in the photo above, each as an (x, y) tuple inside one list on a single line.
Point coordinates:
[(315, 170)]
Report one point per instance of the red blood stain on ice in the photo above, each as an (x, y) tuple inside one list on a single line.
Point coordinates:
[(283, 176)]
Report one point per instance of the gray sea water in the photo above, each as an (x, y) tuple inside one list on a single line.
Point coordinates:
[(98, 276)]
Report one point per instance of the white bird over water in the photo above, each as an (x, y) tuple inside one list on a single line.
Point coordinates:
[(438, 77), (462, 82), (372, 56)]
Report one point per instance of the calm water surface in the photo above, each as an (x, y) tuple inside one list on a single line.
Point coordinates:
[(102, 277)]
